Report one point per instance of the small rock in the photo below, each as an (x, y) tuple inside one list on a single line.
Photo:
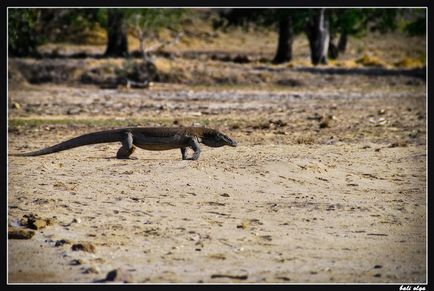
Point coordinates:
[(85, 247), (381, 111), (61, 242), (397, 144), (218, 257), (118, 275), (76, 220), (92, 270), (266, 237), (325, 122), (230, 276), (20, 234), (378, 266), (77, 262), (34, 222), (37, 224), (50, 221), (243, 225), (225, 195)]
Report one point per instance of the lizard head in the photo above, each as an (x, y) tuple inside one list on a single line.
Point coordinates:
[(217, 139)]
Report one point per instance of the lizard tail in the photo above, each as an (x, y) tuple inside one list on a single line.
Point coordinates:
[(86, 139)]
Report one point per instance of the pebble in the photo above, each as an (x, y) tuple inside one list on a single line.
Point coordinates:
[(34, 222), (84, 246), (76, 220), (230, 276), (92, 270), (77, 262), (20, 234), (61, 242), (38, 224), (118, 275)]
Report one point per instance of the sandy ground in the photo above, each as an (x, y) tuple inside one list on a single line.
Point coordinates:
[(293, 203)]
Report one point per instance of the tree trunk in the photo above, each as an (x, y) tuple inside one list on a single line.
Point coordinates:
[(117, 45), (142, 46), (342, 44), (286, 37), (333, 51), (317, 31)]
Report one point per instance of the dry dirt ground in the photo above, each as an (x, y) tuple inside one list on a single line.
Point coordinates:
[(295, 202)]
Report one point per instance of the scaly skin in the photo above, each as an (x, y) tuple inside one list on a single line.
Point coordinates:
[(148, 138)]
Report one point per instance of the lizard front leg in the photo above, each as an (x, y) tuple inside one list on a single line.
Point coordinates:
[(184, 153), (127, 147), (195, 146)]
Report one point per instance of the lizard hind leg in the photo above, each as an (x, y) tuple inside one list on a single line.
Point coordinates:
[(127, 147), (184, 153)]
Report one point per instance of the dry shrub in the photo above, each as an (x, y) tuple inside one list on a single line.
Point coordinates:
[(408, 62), (346, 64), (370, 61), (305, 139)]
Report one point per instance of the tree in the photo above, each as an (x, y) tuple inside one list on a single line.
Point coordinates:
[(22, 32), (289, 23), (117, 44), (286, 38), (356, 22), (318, 34), (417, 22), (145, 24), (345, 22)]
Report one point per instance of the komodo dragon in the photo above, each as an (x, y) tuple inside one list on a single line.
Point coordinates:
[(148, 138)]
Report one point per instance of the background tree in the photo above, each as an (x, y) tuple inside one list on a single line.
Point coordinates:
[(357, 22), (23, 32), (289, 23), (117, 43), (344, 22), (416, 22), (67, 24), (318, 34), (145, 24)]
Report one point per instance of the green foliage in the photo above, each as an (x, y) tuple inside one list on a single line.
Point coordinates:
[(149, 21), (417, 23), (347, 20), (417, 27), (352, 21), (263, 17), (146, 23), (22, 32), (102, 17), (382, 20)]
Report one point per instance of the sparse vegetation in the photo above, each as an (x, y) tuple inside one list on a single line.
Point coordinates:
[(334, 153)]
